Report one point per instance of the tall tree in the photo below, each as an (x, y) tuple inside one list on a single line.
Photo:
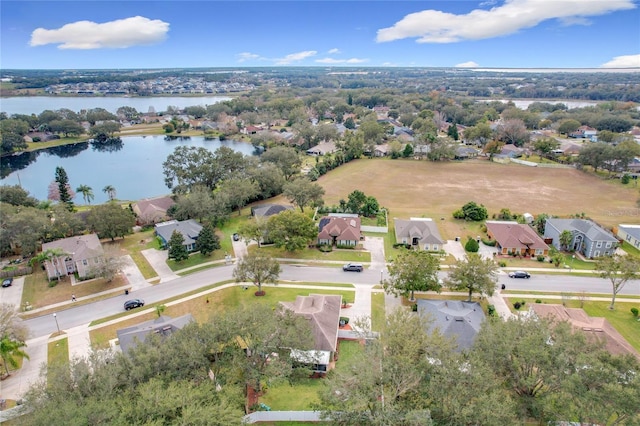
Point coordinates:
[(87, 193), (565, 238), (239, 191), (197, 204), (11, 324), (302, 192), (176, 248), (207, 240), (110, 220), (62, 181), (474, 274), (618, 270), (291, 230), (110, 191), (411, 271), (111, 264), (286, 158), (11, 351), (257, 268)]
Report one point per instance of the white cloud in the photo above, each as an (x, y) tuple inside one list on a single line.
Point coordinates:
[(248, 56), (341, 61), (120, 33), (626, 61), (433, 26), (333, 51), (468, 64), (295, 57)]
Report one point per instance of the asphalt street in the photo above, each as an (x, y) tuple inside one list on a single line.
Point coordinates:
[(84, 314)]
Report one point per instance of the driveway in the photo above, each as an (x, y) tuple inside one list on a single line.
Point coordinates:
[(487, 252), (239, 248), (454, 248), (158, 261), (375, 246), (13, 295)]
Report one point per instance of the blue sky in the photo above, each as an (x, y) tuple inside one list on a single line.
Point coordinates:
[(179, 34)]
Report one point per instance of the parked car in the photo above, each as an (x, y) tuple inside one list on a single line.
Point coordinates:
[(236, 237), (133, 303), (7, 282), (519, 274), (353, 267)]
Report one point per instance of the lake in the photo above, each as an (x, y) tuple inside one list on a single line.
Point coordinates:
[(133, 168), (37, 104)]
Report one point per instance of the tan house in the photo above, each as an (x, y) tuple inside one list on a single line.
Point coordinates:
[(514, 237), (596, 329), (630, 234), (150, 211), (343, 230), (418, 232), (323, 313), (79, 255)]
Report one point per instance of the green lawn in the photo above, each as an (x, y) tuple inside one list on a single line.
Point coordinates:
[(297, 397), (134, 244), (342, 255), (378, 314), (58, 351), (347, 350)]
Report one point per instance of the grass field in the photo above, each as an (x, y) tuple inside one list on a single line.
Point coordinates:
[(58, 351)]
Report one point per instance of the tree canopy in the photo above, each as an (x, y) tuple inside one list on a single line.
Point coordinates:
[(411, 271)]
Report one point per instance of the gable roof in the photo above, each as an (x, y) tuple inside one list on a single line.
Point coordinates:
[(323, 311), (342, 228), (633, 230), (515, 235), (424, 229), (153, 207), (453, 318), (266, 210), (188, 228), (129, 337), (591, 230), (79, 247), (596, 329)]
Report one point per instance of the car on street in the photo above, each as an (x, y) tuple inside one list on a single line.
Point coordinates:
[(7, 282), (353, 267), (133, 303), (519, 274)]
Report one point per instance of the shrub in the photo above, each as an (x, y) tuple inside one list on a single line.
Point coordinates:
[(37, 139), (517, 305), (491, 310), (414, 307), (540, 258), (522, 303), (502, 263), (471, 245), (345, 246), (489, 243), (325, 248), (402, 245), (634, 311), (538, 301), (625, 178), (344, 320), (53, 283)]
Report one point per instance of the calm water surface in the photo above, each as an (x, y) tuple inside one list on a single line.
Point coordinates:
[(133, 168)]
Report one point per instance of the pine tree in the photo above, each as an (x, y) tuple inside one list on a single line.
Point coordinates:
[(177, 250), (207, 241), (63, 188)]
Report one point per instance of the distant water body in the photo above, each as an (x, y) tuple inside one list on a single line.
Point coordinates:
[(36, 104), (133, 168)]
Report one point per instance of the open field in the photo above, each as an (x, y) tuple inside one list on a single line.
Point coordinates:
[(424, 188)]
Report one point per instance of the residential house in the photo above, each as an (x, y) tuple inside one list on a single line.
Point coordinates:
[(323, 313), (514, 237), (630, 234), (190, 229), (264, 211), (584, 132), (588, 238), (381, 150), (420, 232), (453, 318), (595, 329), (164, 326), (250, 130), (322, 148), (465, 152), (343, 230), (80, 255), (510, 151), (149, 211)]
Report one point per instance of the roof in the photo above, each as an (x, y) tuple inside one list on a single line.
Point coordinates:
[(591, 230), (80, 247), (596, 329), (633, 230), (342, 228), (266, 210), (152, 207), (323, 311), (422, 228), (129, 337), (322, 148), (515, 235), (188, 228), (453, 318)]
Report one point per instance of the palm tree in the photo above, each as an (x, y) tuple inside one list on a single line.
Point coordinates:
[(52, 255), (87, 193), (110, 191), (10, 350), (565, 238)]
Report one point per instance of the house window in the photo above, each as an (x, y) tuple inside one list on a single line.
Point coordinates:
[(538, 251), (628, 237), (609, 244), (637, 244), (597, 253), (599, 244), (84, 262)]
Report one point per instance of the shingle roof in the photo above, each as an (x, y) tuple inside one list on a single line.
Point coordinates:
[(453, 318), (266, 210), (151, 207), (129, 337), (80, 247), (515, 235), (633, 230), (188, 228), (342, 228), (592, 231), (423, 229), (323, 311)]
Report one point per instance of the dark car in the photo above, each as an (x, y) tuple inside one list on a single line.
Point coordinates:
[(236, 237), (519, 274), (133, 303), (7, 282), (353, 267)]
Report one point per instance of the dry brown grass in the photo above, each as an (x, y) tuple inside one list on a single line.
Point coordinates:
[(423, 188)]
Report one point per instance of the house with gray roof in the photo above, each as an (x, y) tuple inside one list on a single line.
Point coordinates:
[(630, 234), (453, 318), (78, 255), (418, 232), (190, 229), (589, 239), (264, 211), (163, 326)]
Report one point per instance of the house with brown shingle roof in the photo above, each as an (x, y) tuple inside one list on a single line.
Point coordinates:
[(323, 313), (150, 211), (514, 237), (343, 230), (595, 329)]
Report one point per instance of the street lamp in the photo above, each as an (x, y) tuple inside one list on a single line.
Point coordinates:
[(381, 275), (55, 317)]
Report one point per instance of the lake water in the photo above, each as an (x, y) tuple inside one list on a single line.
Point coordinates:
[(133, 168), (37, 104)]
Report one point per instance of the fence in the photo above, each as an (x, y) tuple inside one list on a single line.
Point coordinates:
[(282, 416), (26, 270)]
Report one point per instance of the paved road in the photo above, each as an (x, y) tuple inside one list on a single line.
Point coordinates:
[(84, 314)]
